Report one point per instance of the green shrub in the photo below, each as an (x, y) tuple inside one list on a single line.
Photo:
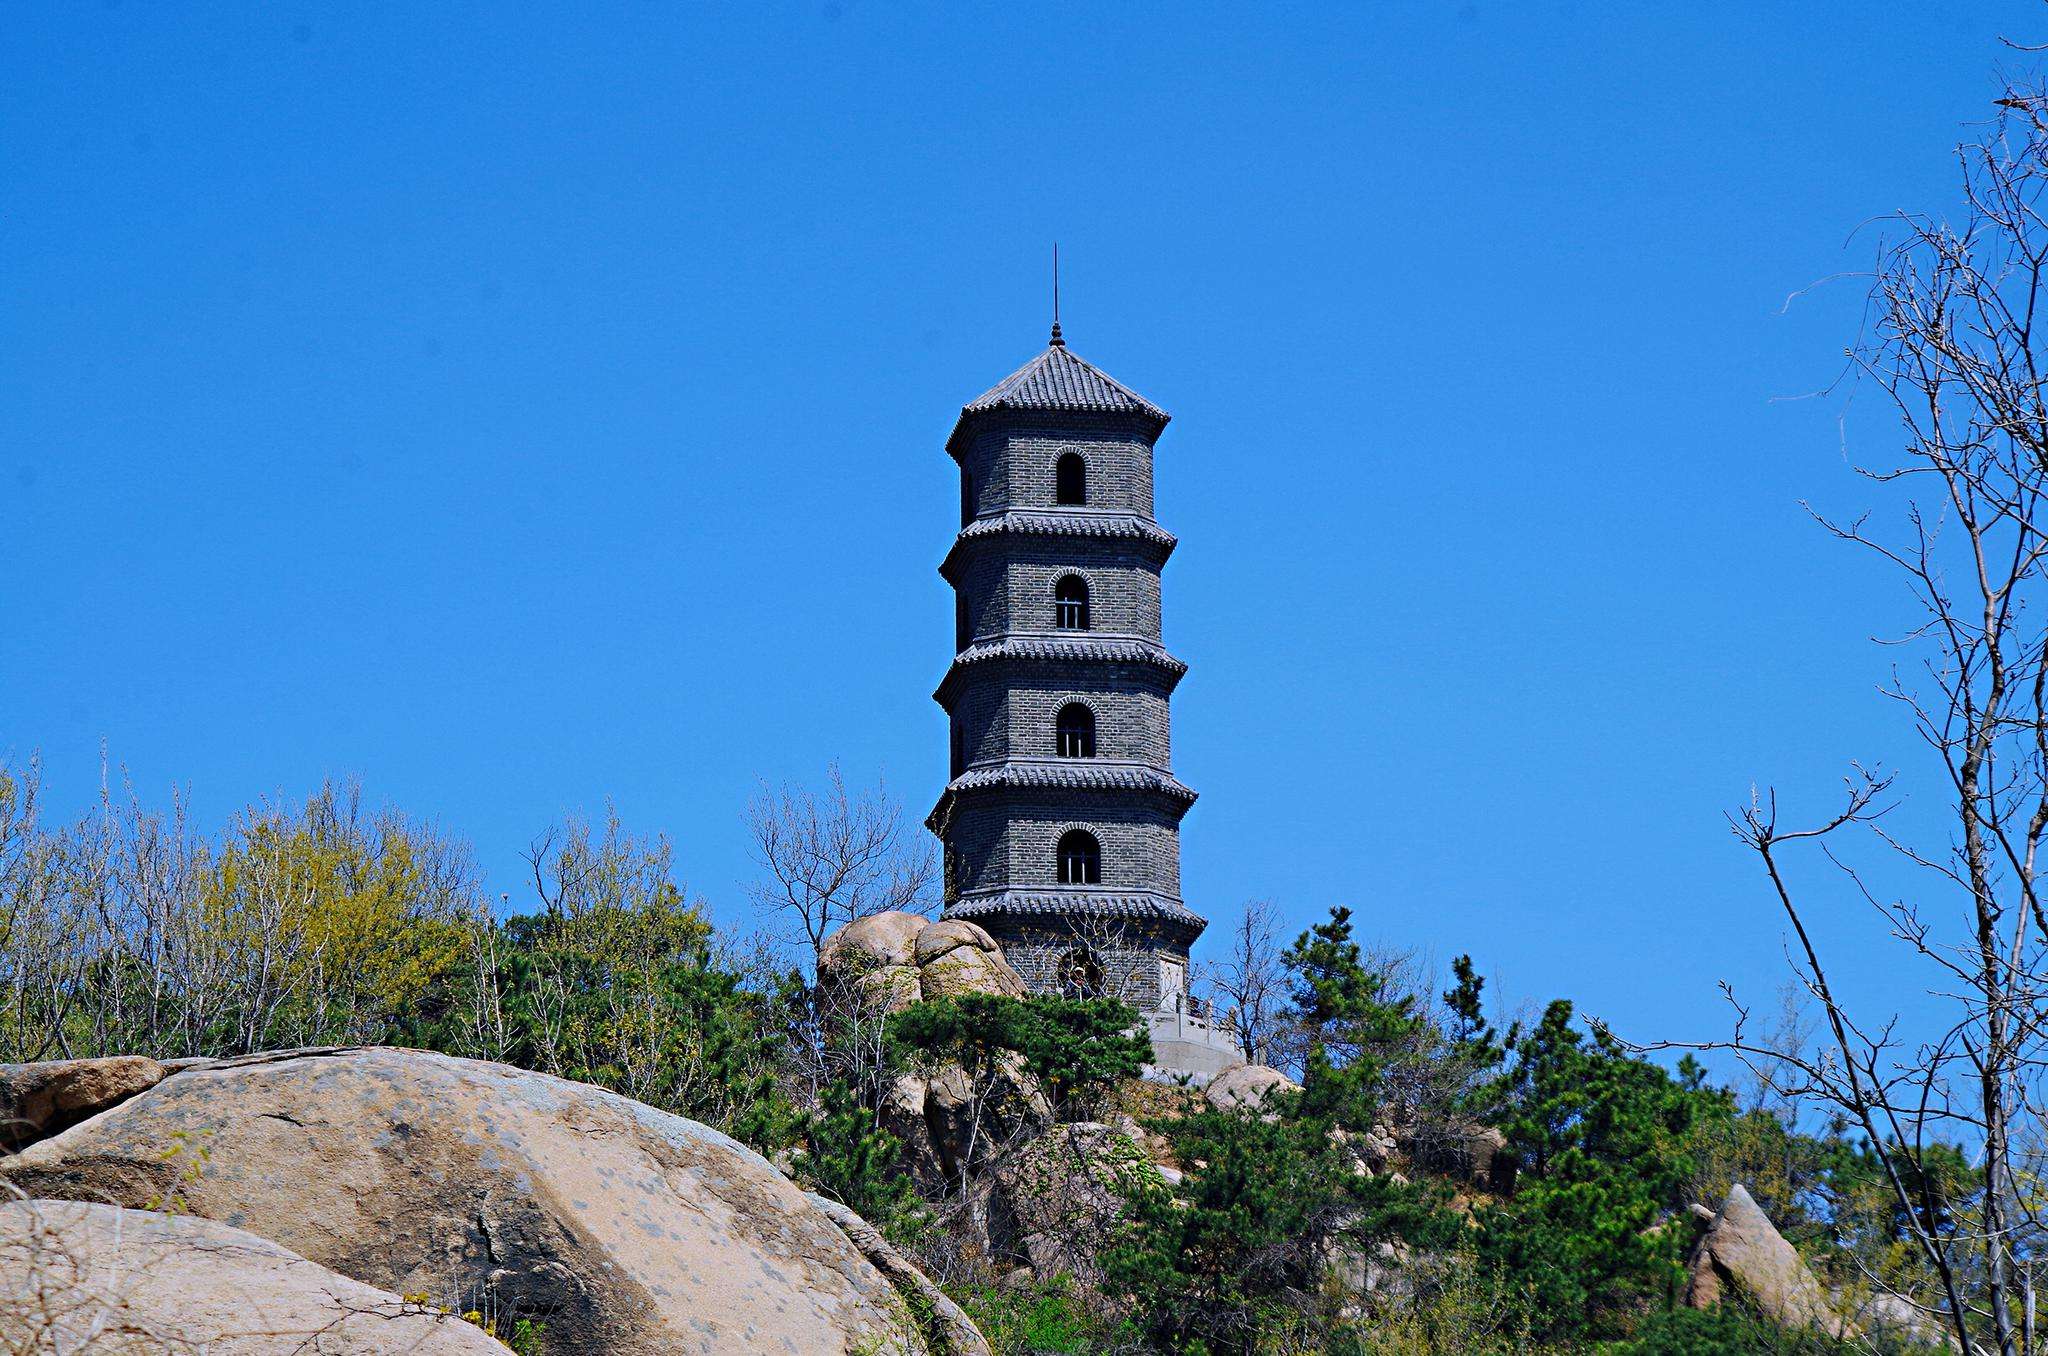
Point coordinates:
[(1047, 1319)]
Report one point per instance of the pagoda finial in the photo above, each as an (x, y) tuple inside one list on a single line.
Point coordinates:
[(1057, 342)]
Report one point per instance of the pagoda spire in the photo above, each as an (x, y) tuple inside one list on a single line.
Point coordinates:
[(1056, 341)]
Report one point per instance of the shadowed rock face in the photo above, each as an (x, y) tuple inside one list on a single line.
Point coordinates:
[(81, 1277), (38, 1100), (1742, 1252), (1066, 1196), (622, 1228)]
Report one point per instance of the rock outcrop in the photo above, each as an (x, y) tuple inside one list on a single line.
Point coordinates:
[(887, 961), (956, 957), (1742, 1253), (38, 1100), (622, 1228), (895, 959), (75, 1276), (1247, 1085), (1065, 1195), (875, 958), (947, 1328)]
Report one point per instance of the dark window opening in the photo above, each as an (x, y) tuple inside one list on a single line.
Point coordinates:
[(1074, 731), (1080, 974), (1070, 479), (1070, 603), (1080, 858)]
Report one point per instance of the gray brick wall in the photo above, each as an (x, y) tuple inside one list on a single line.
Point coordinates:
[(1007, 583), (1012, 466), (1130, 721), (1009, 837), (1128, 954)]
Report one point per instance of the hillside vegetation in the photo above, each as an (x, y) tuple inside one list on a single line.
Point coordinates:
[(1363, 1209)]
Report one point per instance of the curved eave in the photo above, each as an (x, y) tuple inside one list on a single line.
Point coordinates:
[(1070, 905), (1058, 524), (1127, 651), (1136, 780)]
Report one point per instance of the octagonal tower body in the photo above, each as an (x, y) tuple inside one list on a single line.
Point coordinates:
[(1061, 821)]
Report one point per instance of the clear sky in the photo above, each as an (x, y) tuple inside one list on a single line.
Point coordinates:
[(520, 406)]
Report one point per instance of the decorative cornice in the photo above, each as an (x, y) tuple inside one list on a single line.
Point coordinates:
[(1065, 774), (1062, 645), (1059, 523), (1082, 774), (1082, 904)]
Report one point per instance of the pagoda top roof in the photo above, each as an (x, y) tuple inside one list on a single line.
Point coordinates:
[(1058, 381)]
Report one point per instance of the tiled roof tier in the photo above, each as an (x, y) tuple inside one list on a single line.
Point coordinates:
[(1085, 902), (1084, 774), (1059, 382), (1069, 523), (1078, 774), (1059, 523), (1062, 646), (1060, 379)]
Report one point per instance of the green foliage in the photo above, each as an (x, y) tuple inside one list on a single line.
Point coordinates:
[(854, 1161), (1047, 1319), (1603, 1140), (1077, 1048), (1473, 1039), (1449, 1302), (628, 997), (1241, 1247), (1724, 1331), (1350, 1019)]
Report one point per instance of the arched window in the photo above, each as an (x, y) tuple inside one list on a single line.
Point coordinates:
[(1070, 479), (1070, 603), (1074, 731), (1080, 858)]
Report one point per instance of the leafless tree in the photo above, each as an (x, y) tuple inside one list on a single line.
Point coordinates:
[(832, 855), (1951, 341), (1250, 981)]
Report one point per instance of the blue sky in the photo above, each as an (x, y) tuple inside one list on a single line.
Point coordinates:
[(516, 407)]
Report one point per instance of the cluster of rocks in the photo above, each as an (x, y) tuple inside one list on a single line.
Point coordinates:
[(1059, 1189), (887, 961), (371, 1196)]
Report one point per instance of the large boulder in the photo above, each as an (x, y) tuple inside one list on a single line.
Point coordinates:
[(888, 938), (1742, 1253), (1247, 1085), (625, 1229), (37, 1100), (875, 959), (955, 957), (76, 1276)]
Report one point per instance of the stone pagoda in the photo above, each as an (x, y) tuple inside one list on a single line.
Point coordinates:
[(1061, 821)]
